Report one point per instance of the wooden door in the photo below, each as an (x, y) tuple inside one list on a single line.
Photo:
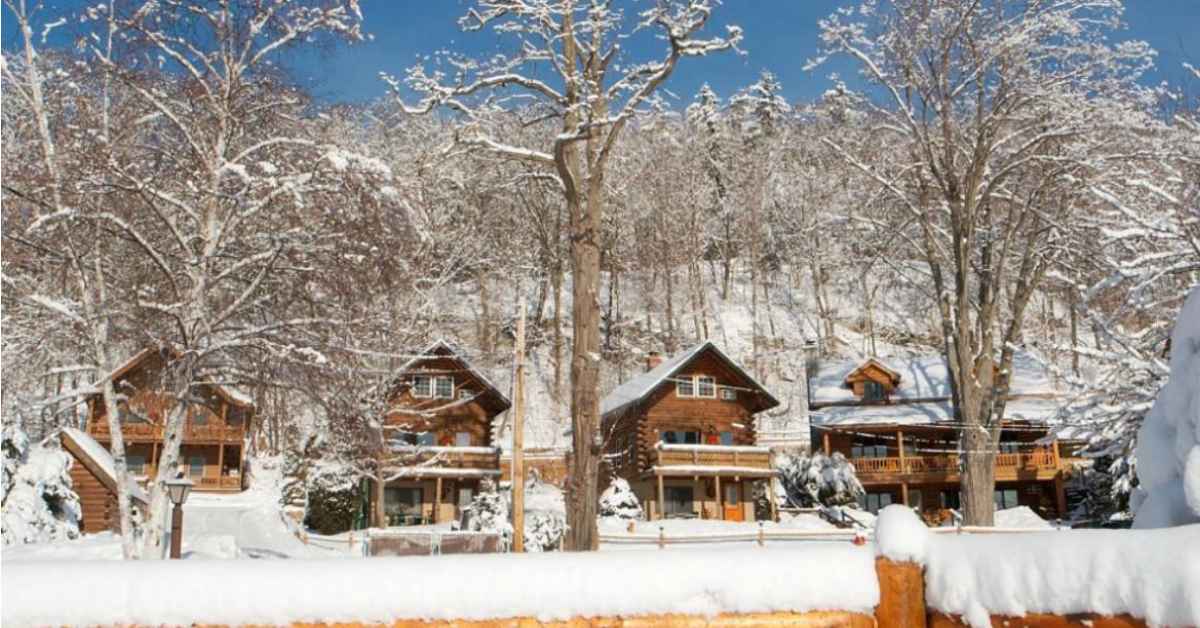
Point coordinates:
[(733, 502)]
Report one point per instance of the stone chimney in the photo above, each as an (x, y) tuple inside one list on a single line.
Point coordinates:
[(653, 359)]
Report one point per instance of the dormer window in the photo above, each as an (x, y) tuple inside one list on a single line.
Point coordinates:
[(873, 391), (696, 386)]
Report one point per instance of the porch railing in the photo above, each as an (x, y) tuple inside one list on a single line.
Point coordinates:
[(1023, 461), (192, 431), (713, 455)]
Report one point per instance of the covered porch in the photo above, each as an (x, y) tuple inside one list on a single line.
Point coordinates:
[(420, 496)]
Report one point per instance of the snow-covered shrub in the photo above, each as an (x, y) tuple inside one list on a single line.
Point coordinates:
[(544, 531), (297, 461), (334, 498), (1168, 449), (41, 505), (488, 512), (760, 493), (1103, 489), (618, 501), (13, 447), (818, 480)]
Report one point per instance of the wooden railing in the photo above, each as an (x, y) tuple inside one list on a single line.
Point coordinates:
[(460, 457), (192, 432), (203, 483), (714, 455), (948, 464)]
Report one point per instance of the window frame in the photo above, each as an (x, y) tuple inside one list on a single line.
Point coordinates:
[(728, 394), (680, 382), (459, 436), (708, 380), (871, 386), (437, 387), (416, 388)]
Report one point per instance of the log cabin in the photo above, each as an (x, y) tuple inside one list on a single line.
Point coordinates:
[(94, 480), (683, 435), (439, 439), (894, 420), (215, 433)]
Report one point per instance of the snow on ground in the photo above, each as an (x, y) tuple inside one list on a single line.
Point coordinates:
[(552, 586), (1021, 517), (1152, 574)]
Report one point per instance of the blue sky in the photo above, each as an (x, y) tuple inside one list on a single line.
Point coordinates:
[(780, 36)]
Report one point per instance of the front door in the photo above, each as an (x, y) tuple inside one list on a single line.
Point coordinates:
[(733, 502)]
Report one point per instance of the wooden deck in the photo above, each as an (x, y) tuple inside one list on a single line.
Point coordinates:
[(713, 456), (194, 434), (487, 458), (1036, 465)]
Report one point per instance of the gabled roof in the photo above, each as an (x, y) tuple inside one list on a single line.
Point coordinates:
[(861, 372), (440, 348), (638, 388), (98, 461), (231, 395)]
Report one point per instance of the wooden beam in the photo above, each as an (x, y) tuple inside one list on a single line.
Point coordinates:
[(518, 459), (1060, 496), (720, 499), (825, 441), (900, 448), (659, 511), (437, 499), (904, 493), (221, 461)]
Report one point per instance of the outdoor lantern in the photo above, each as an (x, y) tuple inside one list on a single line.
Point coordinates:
[(178, 490)]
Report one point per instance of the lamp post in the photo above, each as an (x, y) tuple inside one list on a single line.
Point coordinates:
[(178, 489)]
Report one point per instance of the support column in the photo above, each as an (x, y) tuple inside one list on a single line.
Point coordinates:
[(378, 514), (1060, 495), (900, 449), (904, 493), (660, 510), (720, 498), (437, 499), (825, 441), (220, 464)]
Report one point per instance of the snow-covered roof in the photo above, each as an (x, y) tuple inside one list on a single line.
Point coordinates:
[(923, 394), (923, 377), (102, 459), (442, 348), (637, 388), (230, 393)]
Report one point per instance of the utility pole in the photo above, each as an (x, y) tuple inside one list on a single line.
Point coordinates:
[(518, 441)]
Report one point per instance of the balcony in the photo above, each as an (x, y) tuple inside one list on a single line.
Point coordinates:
[(696, 460), (1038, 464), (429, 460), (214, 433)]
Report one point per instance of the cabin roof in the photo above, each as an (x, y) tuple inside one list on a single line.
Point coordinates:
[(98, 460), (638, 388), (440, 348), (229, 393), (923, 394), (861, 371)]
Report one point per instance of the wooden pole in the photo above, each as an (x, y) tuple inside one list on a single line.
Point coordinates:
[(437, 499), (660, 511), (720, 498), (825, 442), (518, 442), (900, 449)]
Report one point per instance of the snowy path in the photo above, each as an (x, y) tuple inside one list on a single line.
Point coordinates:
[(215, 531)]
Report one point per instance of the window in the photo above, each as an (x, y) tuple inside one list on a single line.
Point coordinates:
[(463, 393), (916, 499), (678, 500), (872, 391), (680, 437), (727, 438), (462, 439), (729, 394), (706, 387), (136, 463), (1005, 498), (1009, 447), (684, 387), (868, 451), (402, 504), (696, 386), (196, 466), (422, 386), (421, 439), (444, 388), (873, 502), (951, 500)]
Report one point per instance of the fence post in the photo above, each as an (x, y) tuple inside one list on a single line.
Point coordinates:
[(760, 534), (662, 538), (901, 594)]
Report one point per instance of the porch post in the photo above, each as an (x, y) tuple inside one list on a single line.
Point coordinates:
[(437, 498), (825, 441), (1057, 455), (720, 498), (771, 498), (378, 514), (1060, 496), (900, 448), (221, 463), (660, 510), (904, 493)]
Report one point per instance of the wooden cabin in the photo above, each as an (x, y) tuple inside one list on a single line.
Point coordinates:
[(682, 434), (896, 424), (440, 442), (215, 433), (94, 480)]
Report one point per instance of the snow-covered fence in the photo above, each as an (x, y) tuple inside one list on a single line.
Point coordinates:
[(763, 535), (431, 543)]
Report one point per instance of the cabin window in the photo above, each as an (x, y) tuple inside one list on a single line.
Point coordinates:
[(726, 438), (402, 504), (1009, 447), (873, 502), (462, 439), (680, 437), (420, 439), (463, 393), (196, 466), (706, 387), (684, 387), (729, 394), (678, 501), (868, 451), (444, 388), (135, 463), (422, 386), (950, 500), (1005, 498), (872, 391)]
